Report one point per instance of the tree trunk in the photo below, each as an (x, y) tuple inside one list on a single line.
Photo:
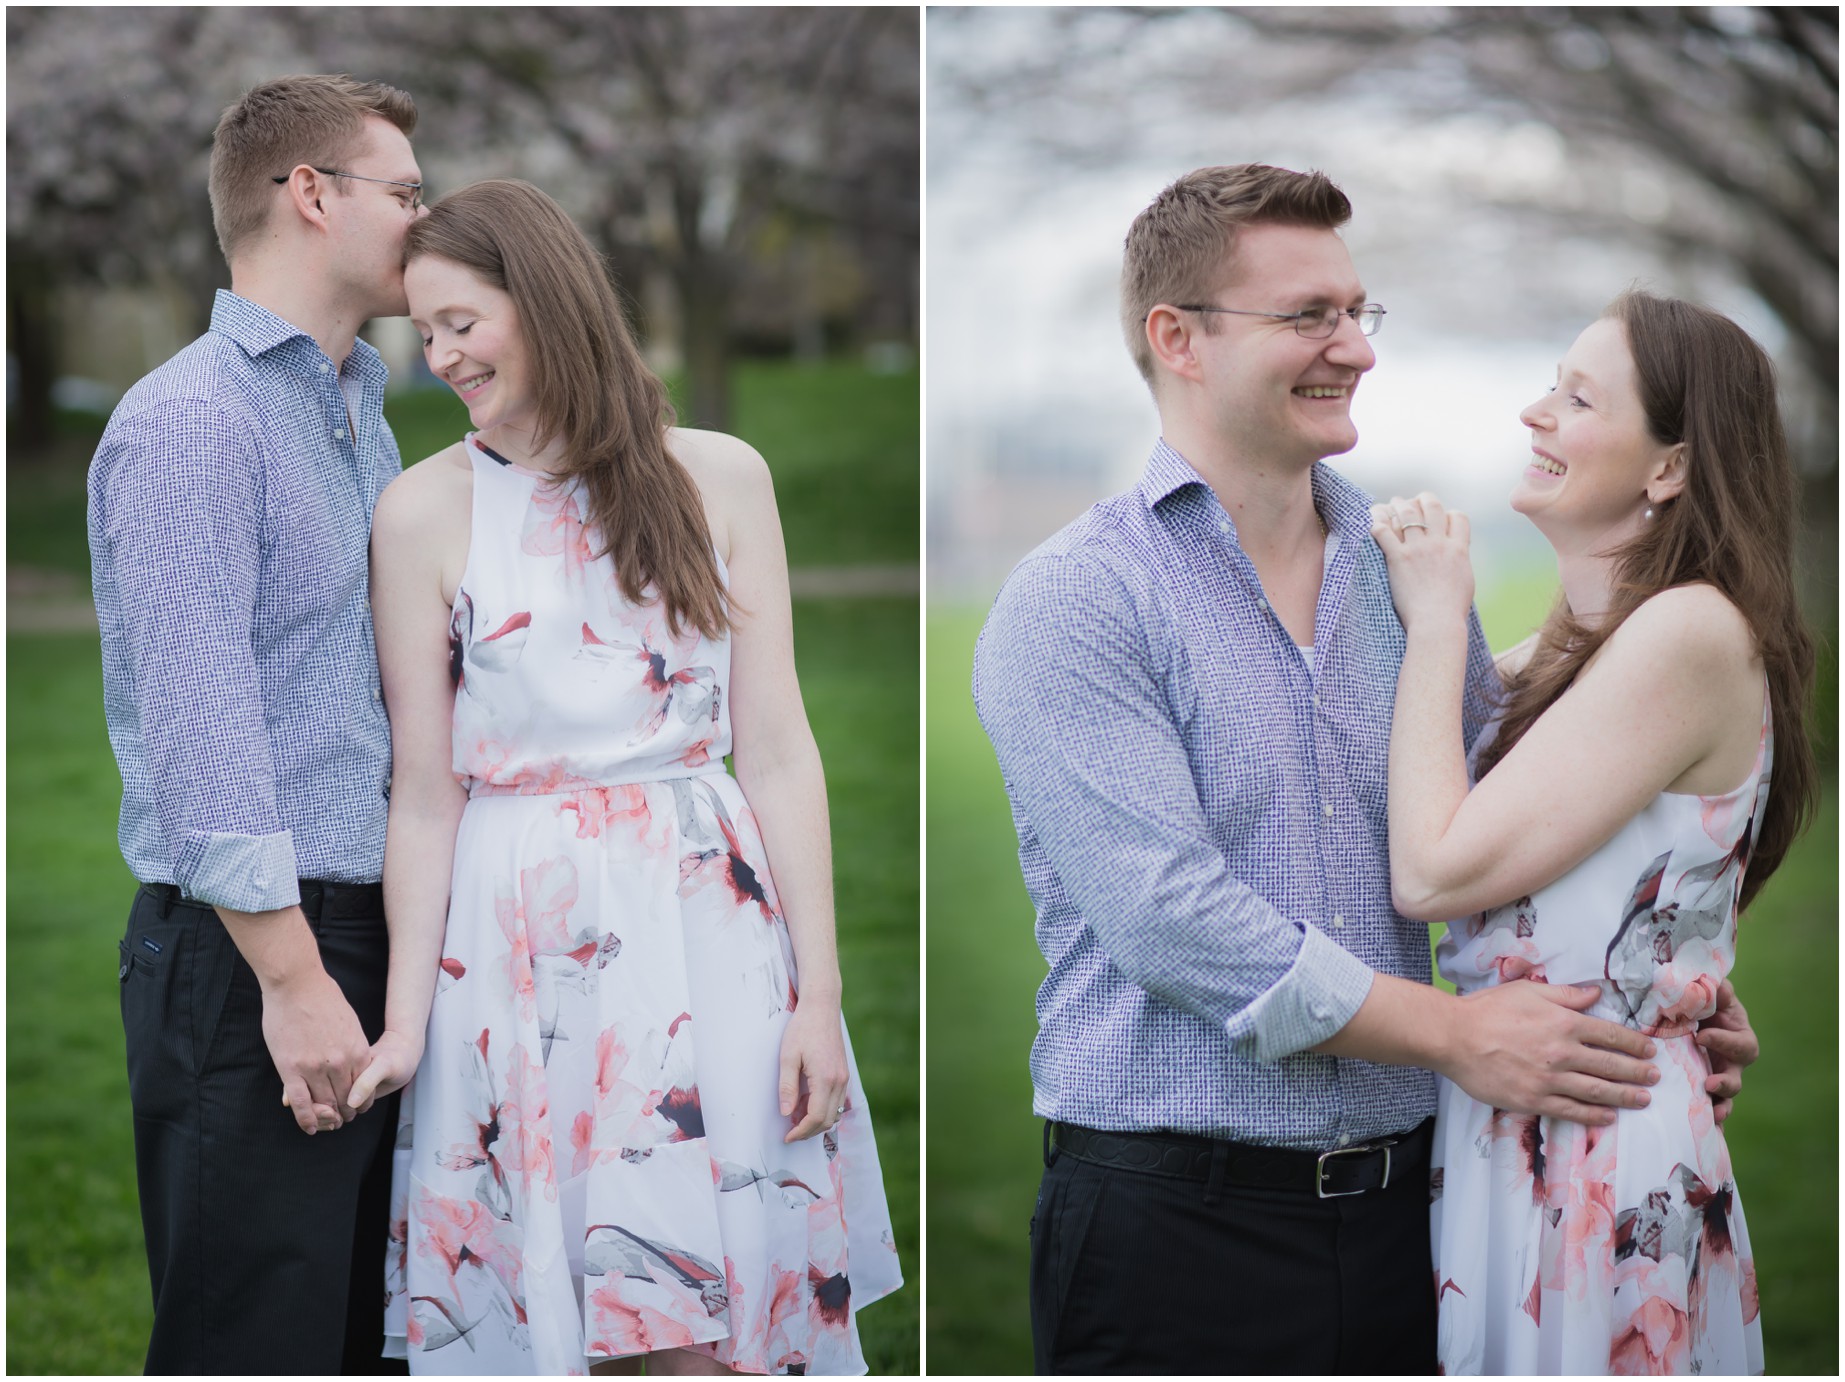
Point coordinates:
[(704, 311), (703, 286), (32, 342)]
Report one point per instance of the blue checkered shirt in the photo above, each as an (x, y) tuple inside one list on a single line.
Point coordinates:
[(1201, 818), (230, 517)]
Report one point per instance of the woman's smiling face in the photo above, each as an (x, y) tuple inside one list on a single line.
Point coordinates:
[(1594, 465), (471, 341)]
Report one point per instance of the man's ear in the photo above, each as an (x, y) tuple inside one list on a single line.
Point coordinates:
[(306, 188), (1170, 338), (1668, 478)]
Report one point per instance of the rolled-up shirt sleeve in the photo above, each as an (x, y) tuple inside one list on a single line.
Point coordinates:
[(1071, 692), (183, 525)]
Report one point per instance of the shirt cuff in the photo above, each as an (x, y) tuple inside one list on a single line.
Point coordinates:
[(246, 873), (1321, 992)]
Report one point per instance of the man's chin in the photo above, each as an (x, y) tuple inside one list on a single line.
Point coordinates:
[(1336, 442)]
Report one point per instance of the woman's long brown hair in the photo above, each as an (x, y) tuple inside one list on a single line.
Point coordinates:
[(592, 389), (1705, 383)]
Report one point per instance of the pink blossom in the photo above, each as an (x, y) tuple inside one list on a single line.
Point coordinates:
[(1657, 1341), (598, 809), (617, 1328)]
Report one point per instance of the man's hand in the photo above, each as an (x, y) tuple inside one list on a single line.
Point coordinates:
[(317, 1045), (1526, 1047), (1729, 1041)]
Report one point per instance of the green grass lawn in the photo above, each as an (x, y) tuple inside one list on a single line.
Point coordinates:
[(841, 442), (984, 1158), (77, 1290)]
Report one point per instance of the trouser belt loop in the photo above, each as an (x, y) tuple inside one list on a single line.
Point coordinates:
[(1220, 1158), (168, 897), (1050, 1148), (314, 898)]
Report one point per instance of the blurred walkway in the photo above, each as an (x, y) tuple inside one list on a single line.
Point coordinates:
[(42, 601)]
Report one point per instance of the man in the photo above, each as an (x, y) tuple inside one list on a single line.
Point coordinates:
[(230, 510), (1189, 690)]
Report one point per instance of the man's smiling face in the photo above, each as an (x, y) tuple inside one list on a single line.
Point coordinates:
[(1276, 394)]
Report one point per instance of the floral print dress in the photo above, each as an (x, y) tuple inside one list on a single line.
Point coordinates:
[(1561, 1248), (590, 1160)]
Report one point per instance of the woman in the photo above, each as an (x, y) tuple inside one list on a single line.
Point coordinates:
[(1622, 817), (634, 1129)]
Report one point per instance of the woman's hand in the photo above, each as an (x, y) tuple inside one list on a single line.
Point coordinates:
[(394, 1061), (1425, 547), (813, 1083)]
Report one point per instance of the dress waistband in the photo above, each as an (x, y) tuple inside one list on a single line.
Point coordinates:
[(578, 786)]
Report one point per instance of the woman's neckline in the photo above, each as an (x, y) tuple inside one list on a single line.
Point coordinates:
[(473, 439)]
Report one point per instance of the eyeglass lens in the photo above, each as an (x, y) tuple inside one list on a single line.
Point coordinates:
[(1323, 321)]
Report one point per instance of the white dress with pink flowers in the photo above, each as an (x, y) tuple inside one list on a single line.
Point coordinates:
[(590, 1161), (1561, 1248)]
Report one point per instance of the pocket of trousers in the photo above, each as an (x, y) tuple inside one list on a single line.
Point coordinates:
[(152, 977), (1072, 1216)]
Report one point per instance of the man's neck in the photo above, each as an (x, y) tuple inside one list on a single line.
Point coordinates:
[(1270, 500), (292, 295)]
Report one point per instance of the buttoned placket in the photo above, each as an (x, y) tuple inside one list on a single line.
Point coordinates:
[(1325, 625), (1296, 666)]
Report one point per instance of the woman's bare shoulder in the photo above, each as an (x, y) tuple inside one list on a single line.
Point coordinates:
[(1697, 622), (717, 459), (428, 494)]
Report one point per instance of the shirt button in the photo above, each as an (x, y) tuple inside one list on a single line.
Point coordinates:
[(1316, 700), (1261, 603), (377, 695), (340, 432), (1339, 922), (325, 368), (1344, 1138), (1223, 525), (1319, 1010), (1327, 808)]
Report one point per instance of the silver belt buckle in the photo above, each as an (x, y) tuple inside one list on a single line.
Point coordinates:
[(1319, 1174)]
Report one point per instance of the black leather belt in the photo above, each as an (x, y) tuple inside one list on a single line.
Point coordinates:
[(1338, 1171), (318, 898)]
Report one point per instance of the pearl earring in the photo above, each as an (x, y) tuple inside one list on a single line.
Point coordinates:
[(1647, 517)]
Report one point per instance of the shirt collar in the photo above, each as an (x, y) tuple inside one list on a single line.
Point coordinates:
[(1345, 507), (259, 331)]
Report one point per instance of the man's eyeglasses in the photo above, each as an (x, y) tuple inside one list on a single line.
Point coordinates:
[(1316, 323), (416, 188)]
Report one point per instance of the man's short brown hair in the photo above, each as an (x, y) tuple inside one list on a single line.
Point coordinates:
[(273, 128), (1178, 249)]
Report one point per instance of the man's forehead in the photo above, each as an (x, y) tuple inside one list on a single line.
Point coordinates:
[(1306, 262), (387, 145)]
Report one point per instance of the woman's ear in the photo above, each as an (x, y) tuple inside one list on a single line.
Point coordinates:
[(1668, 478)]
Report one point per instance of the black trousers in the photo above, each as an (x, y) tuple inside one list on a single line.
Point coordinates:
[(266, 1246), (1133, 1273)]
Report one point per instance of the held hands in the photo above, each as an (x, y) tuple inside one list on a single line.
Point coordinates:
[(1425, 548), (1526, 1047), (813, 1080), (317, 1045), (394, 1061), (1729, 1041)]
